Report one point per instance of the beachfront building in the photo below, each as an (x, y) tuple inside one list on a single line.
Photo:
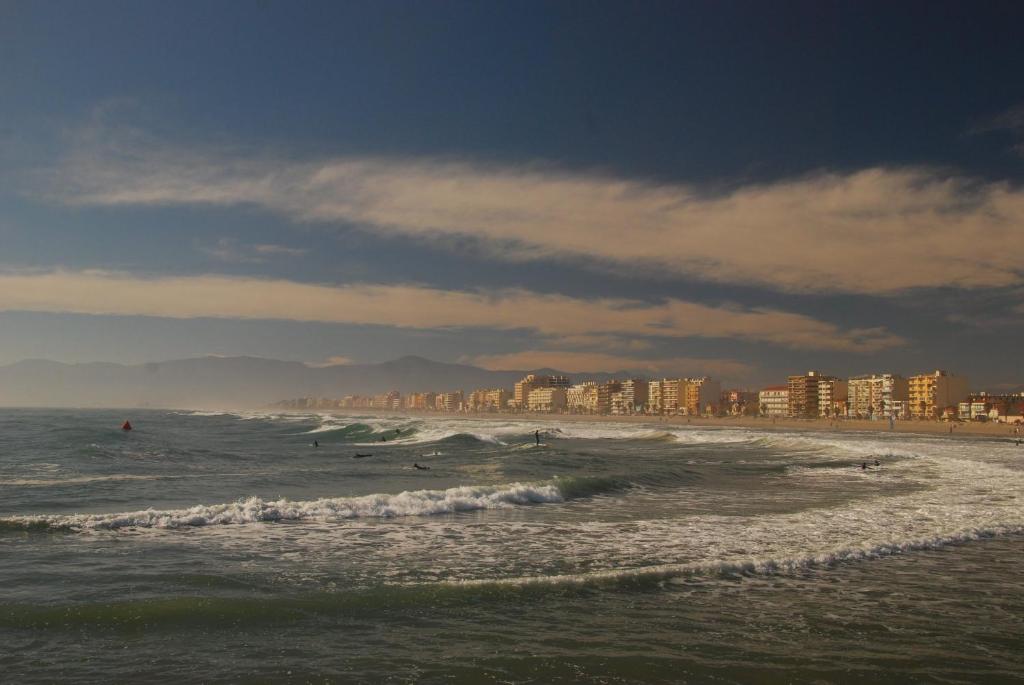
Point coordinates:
[(805, 395), (877, 396), (930, 393), (667, 396), (739, 402), (582, 398), (421, 401), (521, 393), (634, 396), (984, 406), (488, 400), (702, 395), (546, 399), (604, 395), (832, 396), (774, 401), (451, 401)]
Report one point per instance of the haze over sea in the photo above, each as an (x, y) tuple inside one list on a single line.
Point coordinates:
[(211, 547)]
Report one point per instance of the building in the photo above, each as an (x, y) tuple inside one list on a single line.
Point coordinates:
[(805, 401), (930, 393), (451, 401), (877, 396), (582, 398), (667, 396), (774, 401), (604, 396), (547, 399), (521, 393), (702, 395), (634, 396), (739, 402), (832, 396), (983, 406)]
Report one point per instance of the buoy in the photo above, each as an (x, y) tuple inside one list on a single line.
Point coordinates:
[(127, 426)]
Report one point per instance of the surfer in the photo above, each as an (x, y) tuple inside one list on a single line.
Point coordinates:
[(126, 426), (864, 466), (536, 436), (383, 438), (361, 456), (316, 443), (398, 431), (420, 468), (877, 463)]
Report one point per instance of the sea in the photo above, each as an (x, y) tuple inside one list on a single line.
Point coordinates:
[(258, 547)]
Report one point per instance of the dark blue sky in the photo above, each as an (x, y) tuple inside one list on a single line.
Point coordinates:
[(715, 101)]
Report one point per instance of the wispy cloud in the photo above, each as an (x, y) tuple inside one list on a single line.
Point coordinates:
[(576, 362), (331, 361), (878, 230), (233, 251), (1010, 121), (416, 307)]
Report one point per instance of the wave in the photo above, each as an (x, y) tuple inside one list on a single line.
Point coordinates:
[(258, 510), (747, 567)]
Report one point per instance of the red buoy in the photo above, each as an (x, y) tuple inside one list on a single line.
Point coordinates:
[(127, 426)]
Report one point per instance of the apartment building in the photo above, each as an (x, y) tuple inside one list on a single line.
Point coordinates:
[(702, 395), (667, 396), (877, 396), (634, 396), (930, 393), (521, 392), (774, 401), (547, 399), (832, 396), (604, 396), (582, 398)]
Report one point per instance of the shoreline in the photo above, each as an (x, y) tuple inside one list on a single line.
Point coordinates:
[(1002, 430)]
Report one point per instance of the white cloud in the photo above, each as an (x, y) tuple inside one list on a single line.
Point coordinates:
[(416, 307), (876, 231)]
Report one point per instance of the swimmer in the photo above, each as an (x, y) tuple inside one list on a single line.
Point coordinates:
[(420, 468)]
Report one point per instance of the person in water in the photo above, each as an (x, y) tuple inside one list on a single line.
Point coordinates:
[(420, 468), (864, 466), (536, 436), (383, 438), (877, 463), (316, 443)]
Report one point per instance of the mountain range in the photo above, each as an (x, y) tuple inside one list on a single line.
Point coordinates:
[(238, 382)]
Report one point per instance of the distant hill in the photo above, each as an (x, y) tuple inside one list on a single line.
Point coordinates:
[(209, 382)]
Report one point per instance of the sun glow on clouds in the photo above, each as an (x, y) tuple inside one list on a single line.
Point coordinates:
[(416, 307), (875, 231)]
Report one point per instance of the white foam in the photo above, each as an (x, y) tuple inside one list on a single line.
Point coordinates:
[(255, 509)]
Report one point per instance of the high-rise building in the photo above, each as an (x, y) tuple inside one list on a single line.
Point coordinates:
[(582, 398), (882, 395), (604, 395), (931, 393), (702, 395), (546, 399), (832, 394), (634, 396), (521, 393), (805, 395)]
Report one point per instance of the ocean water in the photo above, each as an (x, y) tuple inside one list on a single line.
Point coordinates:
[(225, 547)]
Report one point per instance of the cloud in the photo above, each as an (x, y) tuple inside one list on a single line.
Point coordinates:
[(418, 307), (876, 231), (1011, 121), (577, 362), (230, 250)]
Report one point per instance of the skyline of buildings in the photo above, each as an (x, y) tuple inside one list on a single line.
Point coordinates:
[(880, 396)]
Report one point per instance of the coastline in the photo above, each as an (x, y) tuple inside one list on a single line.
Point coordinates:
[(1001, 430)]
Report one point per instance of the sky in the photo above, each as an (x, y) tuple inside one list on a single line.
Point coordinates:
[(741, 189)]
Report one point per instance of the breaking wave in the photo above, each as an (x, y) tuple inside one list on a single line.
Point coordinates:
[(258, 510)]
